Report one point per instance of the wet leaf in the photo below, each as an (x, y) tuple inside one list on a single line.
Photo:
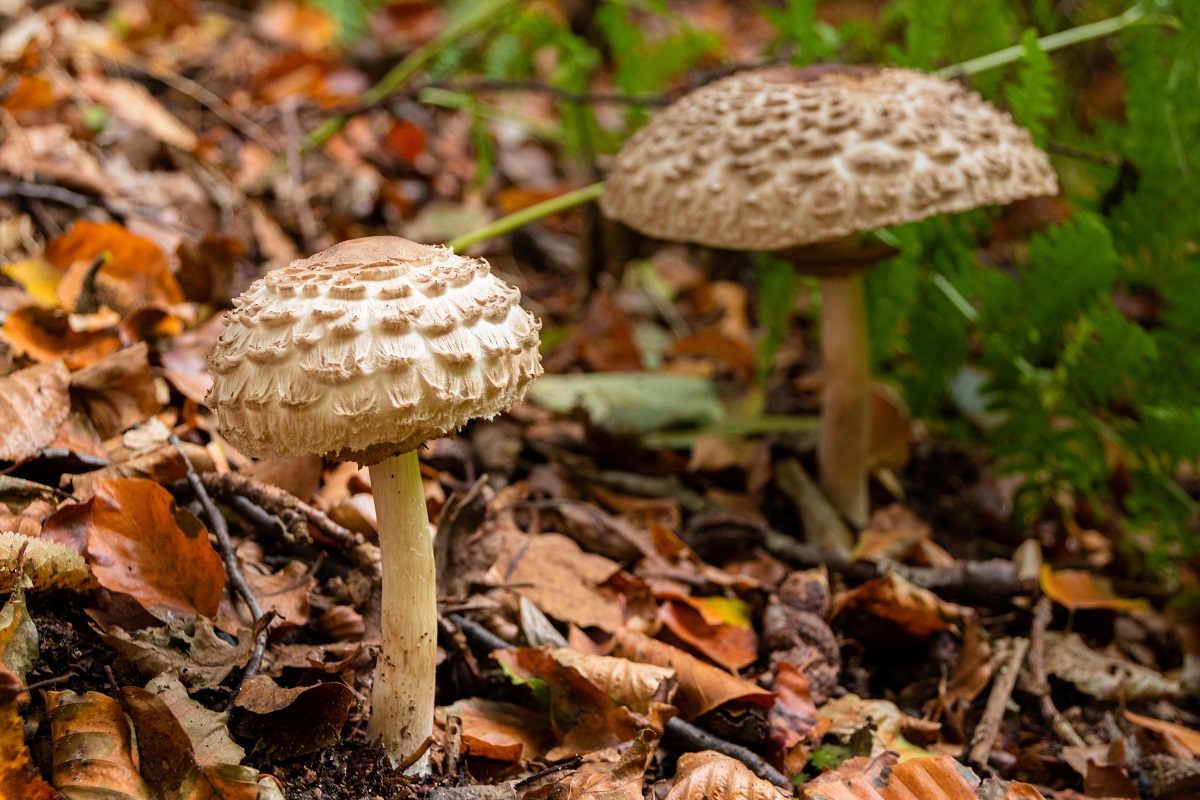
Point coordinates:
[(500, 731), (712, 776), (93, 751), (19, 778), (292, 721), (194, 652), (142, 544), (46, 335), (48, 565), (1079, 589), (18, 636), (135, 276), (119, 391), (1104, 677), (33, 403), (702, 687)]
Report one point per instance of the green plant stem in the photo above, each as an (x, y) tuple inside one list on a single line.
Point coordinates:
[(484, 14), (1135, 15), (526, 215)]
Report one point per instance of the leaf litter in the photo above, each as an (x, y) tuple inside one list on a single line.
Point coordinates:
[(674, 567)]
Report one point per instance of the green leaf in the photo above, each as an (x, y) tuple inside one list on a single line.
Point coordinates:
[(1031, 98)]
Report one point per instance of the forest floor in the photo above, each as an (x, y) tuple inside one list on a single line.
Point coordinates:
[(627, 611)]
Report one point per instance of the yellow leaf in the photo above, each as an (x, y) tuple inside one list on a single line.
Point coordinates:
[(1079, 589), (37, 277)]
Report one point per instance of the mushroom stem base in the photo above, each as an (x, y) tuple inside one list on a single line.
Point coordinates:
[(402, 697), (845, 399)]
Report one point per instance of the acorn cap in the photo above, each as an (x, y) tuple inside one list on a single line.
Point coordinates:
[(782, 157), (368, 349)]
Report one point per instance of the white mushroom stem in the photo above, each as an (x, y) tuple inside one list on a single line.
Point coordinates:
[(845, 400), (402, 697)]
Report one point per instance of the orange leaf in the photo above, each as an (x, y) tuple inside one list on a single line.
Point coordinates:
[(141, 544), (893, 598), (137, 274), (731, 646), (44, 335), (1186, 737), (938, 778), (31, 93), (406, 139), (19, 778), (1079, 589), (501, 731)]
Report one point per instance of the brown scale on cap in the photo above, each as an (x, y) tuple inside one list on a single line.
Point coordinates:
[(369, 349), (781, 157)]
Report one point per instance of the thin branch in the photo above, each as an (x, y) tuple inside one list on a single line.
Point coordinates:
[(41, 191)]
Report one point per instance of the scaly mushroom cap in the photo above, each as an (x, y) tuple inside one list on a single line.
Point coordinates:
[(368, 349), (782, 157)]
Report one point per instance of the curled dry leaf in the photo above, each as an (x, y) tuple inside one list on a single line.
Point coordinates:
[(297, 720), (33, 403), (1104, 677), (600, 781), (1078, 590), (163, 465), (500, 731), (895, 599), (48, 565), (712, 776), (142, 544), (702, 687), (119, 391), (133, 104), (194, 651), (19, 778), (93, 750), (45, 335), (135, 276)]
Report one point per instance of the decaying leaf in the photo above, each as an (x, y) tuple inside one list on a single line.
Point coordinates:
[(93, 751), (142, 544), (897, 600), (500, 731), (292, 721), (18, 636), (48, 565), (193, 651), (712, 776), (33, 403), (850, 713), (1078, 589), (702, 687), (637, 401), (19, 778), (1101, 676)]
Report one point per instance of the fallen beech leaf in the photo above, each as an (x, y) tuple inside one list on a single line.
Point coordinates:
[(137, 275), (142, 544), (1187, 738), (500, 731), (48, 565), (712, 776), (702, 687), (119, 391), (291, 722), (971, 674), (793, 720), (894, 533), (1101, 676), (208, 731), (623, 781), (132, 103), (897, 600), (1078, 589), (194, 652), (18, 636), (851, 713), (33, 403), (46, 335), (730, 646), (93, 752), (19, 778), (936, 778), (163, 465), (285, 592)]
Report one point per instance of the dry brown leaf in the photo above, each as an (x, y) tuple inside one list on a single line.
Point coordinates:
[(48, 565), (851, 713), (45, 334), (93, 751), (163, 465), (895, 599), (793, 720), (119, 391), (702, 687), (1104, 677), (33, 403), (601, 781), (1186, 738), (19, 777), (1079, 589), (732, 646), (500, 731), (136, 275), (194, 652), (937, 778), (142, 544), (292, 721), (712, 776), (285, 592), (207, 730), (133, 104)]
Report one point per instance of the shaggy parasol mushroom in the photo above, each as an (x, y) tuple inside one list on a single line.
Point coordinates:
[(783, 158), (362, 353)]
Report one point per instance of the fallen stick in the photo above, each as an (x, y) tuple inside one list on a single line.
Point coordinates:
[(993, 714)]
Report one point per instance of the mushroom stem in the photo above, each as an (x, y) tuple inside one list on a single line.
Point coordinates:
[(845, 400), (402, 697)]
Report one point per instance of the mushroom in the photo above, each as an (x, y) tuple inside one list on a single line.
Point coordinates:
[(362, 353), (794, 160)]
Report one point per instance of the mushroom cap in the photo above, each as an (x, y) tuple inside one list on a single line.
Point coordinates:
[(367, 350), (781, 157)]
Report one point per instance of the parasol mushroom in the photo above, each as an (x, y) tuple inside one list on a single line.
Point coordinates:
[(362, 353), (796, 160)]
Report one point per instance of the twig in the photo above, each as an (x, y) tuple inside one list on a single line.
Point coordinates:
[(41, 191), (997, 703), (1039, 685), (295, 515), (229, 555)]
